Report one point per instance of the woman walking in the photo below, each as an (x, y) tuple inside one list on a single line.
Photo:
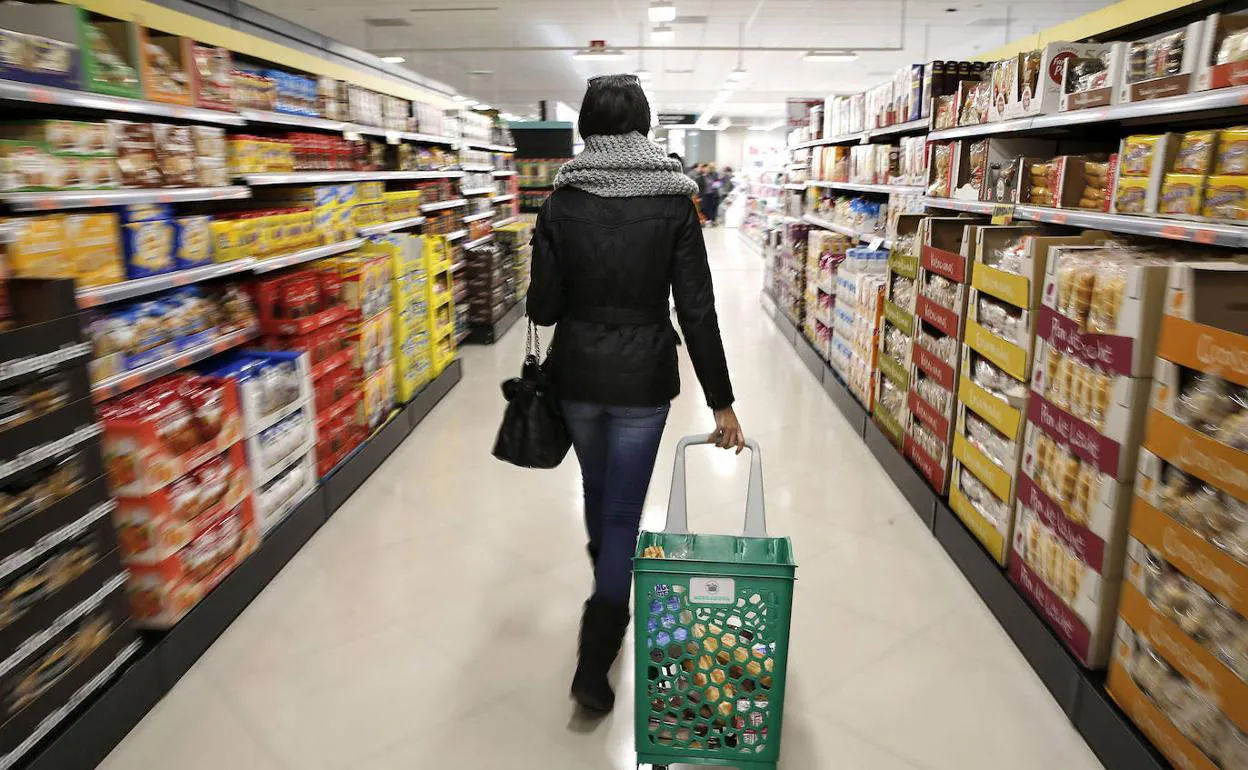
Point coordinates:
[(616, 238)]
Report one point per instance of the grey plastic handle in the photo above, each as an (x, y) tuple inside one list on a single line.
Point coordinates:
[(678, 504)]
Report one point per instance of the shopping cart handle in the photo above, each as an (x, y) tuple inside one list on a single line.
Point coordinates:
[(677, 502)]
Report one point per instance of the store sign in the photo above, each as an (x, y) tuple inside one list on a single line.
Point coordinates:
[(677, 118)]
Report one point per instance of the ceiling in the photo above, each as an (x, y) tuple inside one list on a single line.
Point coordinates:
[(437, 37)]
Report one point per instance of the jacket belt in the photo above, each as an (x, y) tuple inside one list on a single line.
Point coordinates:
[(622, 316)]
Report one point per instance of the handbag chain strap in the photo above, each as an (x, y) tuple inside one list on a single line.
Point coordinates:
[(533, 343)]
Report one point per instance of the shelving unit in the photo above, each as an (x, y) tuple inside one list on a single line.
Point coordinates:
[(116, 292), (321, 177), (439, 206), (306, 255), (886, 189), (86, 199), (390, 227), (127, 381)]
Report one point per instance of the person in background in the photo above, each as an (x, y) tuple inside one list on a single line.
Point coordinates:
[(615, 238), (710, 199), (727, 182), (676, 157)]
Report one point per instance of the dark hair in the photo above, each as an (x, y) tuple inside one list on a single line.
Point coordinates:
[(614, 104)]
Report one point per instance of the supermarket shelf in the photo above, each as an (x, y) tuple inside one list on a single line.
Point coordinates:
[(440, 205), (479, 241), (389, 227), (504, 222), (102, 295), (795, 186), (503, 198), (752, 244), (1189, 230), (475, 145), (416, 136), (844, 230), (267, 118), (306, 255), (863, 137), (505, 172), (919, 126), (1167, 110), (12, 91), (855, 138), (475, 217), (456, 235), (317, 177), (94, 730), (488, 335), (476, 191), (87, 199), (904, 189), (132, 379), (476, 167)]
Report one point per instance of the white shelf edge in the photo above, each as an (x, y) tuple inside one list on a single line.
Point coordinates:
[(271, 118), (95, 296), (129, 380), (475, 217), (12, 91), (81, 199), (503, 198), (389, 227), (477, 191), (440, 205), (456, 235), (505, 172), (504, 222), (306, 255), (479, 168), (482, 240)]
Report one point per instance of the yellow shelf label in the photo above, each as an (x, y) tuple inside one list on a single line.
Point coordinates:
[(981, 528), (1007, 287), (994, 476), (1009, 357), (999, 414)]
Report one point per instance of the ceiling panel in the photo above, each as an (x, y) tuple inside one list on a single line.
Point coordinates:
[(443, 39)]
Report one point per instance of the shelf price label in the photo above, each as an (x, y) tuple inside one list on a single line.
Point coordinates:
[(1002, 213)]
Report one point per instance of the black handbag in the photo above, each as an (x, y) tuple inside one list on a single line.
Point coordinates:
[(533, 434)]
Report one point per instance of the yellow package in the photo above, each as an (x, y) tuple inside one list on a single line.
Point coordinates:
[(1132, 196), (1196, 152), (94, 242), (224, 243), (1226, 197), (370, 192), (437, 252), (1181, 194), (38, 248), (1137, 155), (1232, 155)]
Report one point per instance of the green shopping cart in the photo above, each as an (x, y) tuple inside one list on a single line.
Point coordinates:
[(712, 635)]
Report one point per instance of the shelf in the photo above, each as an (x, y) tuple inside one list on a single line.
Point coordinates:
[(795, 186), (316, 177), (1188, 230), (416, 136), (456, 235), (919, 126), (476, 145), (440, 205), (306, 255), (505, 172), (479, 242), (89, 199), (1166, 110), (903, 189), (863, 137), (267, 118), (845, 230), (504, 222), (475, 217), (476, 167), (476, 191), (102, 295), (503, 198), (390, 227), (12, 91), (127, 381)]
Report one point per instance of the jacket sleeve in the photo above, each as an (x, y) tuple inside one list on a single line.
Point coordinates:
[(695, 308), (546, 299)]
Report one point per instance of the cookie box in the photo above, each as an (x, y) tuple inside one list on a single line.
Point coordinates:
[(158, 434), (37, 247), (378, 395), (1094, 78), (1143, 161), (210, 69), (163, 592), (1030, 83), (271, 386), (148, 248), (284, 491), (1163, 65), (40, 44), (167, 64), (274, 448), (153, 527), (94, 249), (1078, 602), (371, 342), (192, 242), (1128, 300), (111, 54)]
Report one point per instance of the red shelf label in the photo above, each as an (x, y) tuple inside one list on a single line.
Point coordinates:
[(929, 415), (927, 465), (937, 315), (1060, 618), (1083, 441), (1109, 353), (947, 263), (1086, 544)]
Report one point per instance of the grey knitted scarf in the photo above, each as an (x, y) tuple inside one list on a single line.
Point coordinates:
[(622, 166)]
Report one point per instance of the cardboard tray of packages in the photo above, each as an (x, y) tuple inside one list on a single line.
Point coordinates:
[(1114, 55), (1210, 74), (1000, 150), (1185, 81), (993, 536), (1113, 448)]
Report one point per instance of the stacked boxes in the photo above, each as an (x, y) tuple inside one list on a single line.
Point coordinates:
[(440, 298), (413, 351), (332, 206), (1179, 662), (858, 311), (896, 346), (827, 252)]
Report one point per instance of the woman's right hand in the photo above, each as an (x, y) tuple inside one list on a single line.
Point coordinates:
[(728, 433)]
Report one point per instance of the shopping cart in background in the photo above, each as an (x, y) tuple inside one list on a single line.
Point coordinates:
[(712, 635)]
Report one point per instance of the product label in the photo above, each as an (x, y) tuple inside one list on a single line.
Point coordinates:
[(1110, 353), (1192, 555), (1010, 357), (1069, 628), (930, 467), (1219, 464), (1205, 348), (894, 371), (947, 263), (981, 528), (1160, 88), (929, 415), (937, 315), (1082, 541), (712, 590), (1083, 441), (999, 414), (889, 424), (996, 478), (1155, 725), (1007, 287), (1097, 97), (933, 366), (1228, 75), (899, 316), (1002, 213), (905, 265)]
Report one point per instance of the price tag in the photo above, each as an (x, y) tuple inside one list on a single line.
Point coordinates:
[(351, 135), (875, 243), (40, 95), (392, 137), (1175, 232), (1002, 213), (1206, 236)]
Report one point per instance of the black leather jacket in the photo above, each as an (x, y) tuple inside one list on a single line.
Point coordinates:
[(603, 269)]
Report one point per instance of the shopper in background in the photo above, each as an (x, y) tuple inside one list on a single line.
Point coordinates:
[(619, 234), (710, 199), (676, 157), (727, 184)]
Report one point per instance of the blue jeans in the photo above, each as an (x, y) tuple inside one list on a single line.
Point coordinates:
[(616, 446)]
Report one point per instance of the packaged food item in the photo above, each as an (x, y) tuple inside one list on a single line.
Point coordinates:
[(192, 241), (990, 441), (1195, 154), (1132, 196), (1002, 319), (982, 499), (165, 78), (995, 381), (37, 247), (40, 672), (1232, 153), (110, 73), (34, 399), (942, 160), (27, 586), (34, 490), (267, 382), (136, 154), (1181, 194), (1138, 155), (272, 447), (148, 248), (1226, 197), (28, 166)]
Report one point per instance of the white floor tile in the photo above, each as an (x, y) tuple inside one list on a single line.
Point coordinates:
[(432, 622)]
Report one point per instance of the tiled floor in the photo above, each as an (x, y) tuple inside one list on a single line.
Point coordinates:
[(432, 622)]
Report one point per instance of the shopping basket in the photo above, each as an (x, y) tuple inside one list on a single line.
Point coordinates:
[(712, 635)]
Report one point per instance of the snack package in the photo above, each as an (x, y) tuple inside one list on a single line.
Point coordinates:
[(1226, 197), (1132, 196), (192, 241), (1232, 153), (1196, 152), (1182, 194), (148, 248), (1139, 154)]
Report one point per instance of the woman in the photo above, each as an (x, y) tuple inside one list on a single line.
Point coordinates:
[(617, 236)]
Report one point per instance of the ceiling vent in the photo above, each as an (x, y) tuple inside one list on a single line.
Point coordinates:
[(387, 22)]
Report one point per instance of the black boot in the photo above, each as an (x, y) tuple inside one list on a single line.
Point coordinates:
[(602, 631)]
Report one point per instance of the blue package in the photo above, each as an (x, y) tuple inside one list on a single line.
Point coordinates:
[(146, 212), (148, 248), (150, 339), (192, 241)]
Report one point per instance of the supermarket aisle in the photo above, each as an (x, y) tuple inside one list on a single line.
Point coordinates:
[(432, 622)]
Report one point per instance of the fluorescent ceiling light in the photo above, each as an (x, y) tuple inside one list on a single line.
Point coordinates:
[(662, 34), (737, 75), (393, 59), (820, 56), (461, 98), (723, 124), (662, 10), (606, 54)]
